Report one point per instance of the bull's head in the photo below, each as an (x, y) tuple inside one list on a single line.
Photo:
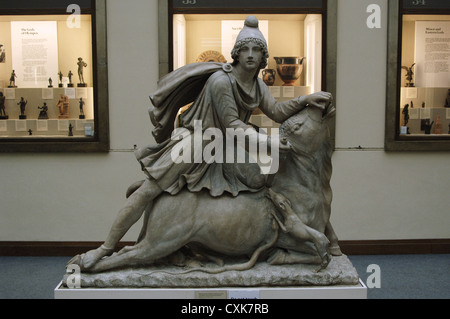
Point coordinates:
[(307, 130)]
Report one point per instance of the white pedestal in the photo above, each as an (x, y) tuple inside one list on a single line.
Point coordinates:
[(358, 291)]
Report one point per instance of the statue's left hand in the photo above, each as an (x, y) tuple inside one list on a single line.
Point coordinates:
[(321, 99)]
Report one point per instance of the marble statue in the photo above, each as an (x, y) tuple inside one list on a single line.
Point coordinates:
[(221, 209)]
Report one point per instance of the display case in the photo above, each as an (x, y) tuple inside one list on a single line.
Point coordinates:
[(418, 92), (299, 36), (53, 77)]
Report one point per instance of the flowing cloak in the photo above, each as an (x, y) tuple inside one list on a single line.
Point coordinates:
[(218, 102)]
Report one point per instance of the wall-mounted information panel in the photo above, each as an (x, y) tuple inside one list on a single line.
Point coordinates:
[(53, 77), (418, 105)]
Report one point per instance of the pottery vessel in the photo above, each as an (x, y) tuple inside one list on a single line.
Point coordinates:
[(289, 69), (268, 76)]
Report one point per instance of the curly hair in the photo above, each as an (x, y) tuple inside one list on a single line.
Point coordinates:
[(239, 44)]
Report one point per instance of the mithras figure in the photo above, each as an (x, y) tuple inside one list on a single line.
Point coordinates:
[(228, 207)]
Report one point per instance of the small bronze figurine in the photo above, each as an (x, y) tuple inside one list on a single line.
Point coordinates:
[(3, 115), (22, 103), (2, 54), (43, 114), (60, 75), (447, 100), (405, 113), (81, 117), (70, 130), (70, 85), (81, 66), (409, 75), (427, 126), (12, 79)]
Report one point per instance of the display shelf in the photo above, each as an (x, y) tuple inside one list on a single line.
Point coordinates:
[(418, 115), (13, 128), (432, 97), (36, 97), (284, 93), (51, 55)]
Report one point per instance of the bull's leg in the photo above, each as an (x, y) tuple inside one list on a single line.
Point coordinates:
[(334, 248), (127, 217), (281, 257), (159, 242), (129, 256)]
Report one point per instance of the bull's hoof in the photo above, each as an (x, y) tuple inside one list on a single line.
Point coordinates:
[(77, 260), (324, 264), (87, 260), (335, 250)]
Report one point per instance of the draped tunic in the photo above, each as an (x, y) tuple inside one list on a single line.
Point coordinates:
[(222, 103)]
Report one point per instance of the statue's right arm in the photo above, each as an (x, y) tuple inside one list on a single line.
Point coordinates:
[(227, 111), (281, 111)]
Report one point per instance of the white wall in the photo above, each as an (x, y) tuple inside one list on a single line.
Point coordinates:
[(377, 195), (75, 197)]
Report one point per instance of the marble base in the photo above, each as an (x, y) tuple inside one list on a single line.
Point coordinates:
[(340, 271), (358, 291)]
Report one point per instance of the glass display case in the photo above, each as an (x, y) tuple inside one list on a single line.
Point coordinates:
[(302, 57), (53, 77), (418, 113)]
